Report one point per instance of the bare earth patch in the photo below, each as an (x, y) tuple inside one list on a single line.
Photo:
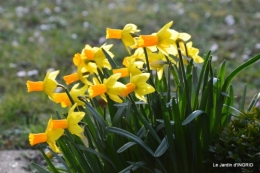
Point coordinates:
[(18, 161)]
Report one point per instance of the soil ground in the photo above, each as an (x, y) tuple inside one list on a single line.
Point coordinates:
[(17, 161)]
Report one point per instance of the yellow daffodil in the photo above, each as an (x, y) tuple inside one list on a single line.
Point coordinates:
[(77, 60), (192, 53), (50, 136), (124, 34), (110, 86), (157, 60), (131, 70), (134, 67), (139, 86), (164, 40), (75, 93), (184, 36), (64, 100), (48, 85), (138, 62), (159, 67), (97, 55), (71, 123), (84, 68)]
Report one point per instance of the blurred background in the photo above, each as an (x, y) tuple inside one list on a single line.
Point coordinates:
[(36, 36)]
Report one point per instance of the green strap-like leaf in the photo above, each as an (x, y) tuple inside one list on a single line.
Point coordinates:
[(126, 146), (60, 160), (233, 108), (39, 168), (50, 164), (132, 167), (243, 99), (140, 134), (110, 59), (140, 164), (226, 85), (192, 116), (96, 115), (238, 70), (81, 147), (162, 121), (119, 114), (144, 121), (161, 148), (131, 136), (222, 72), (253, 102)]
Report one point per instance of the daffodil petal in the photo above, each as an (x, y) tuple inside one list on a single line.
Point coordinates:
[(55, 134), (112, 79), (115, 98), (76, 130), (75, 117)]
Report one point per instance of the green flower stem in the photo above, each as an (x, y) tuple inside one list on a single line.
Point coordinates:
[(185, 80), (148, 68), (67, 92), (144, 121), (146, 59), (168, 96), (186, 50)]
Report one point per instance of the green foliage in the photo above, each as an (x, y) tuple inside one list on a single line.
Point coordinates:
[(239, 142), (170, 133)]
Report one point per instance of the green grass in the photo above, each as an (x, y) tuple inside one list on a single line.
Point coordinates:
[(38, 35)]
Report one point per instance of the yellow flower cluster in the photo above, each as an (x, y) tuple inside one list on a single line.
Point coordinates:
[(153, 51)]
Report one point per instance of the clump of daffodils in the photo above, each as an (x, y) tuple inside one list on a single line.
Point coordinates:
[(96, 75)]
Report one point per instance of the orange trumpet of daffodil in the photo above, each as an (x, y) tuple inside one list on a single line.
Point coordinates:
[(123, 71), (71, 78)]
